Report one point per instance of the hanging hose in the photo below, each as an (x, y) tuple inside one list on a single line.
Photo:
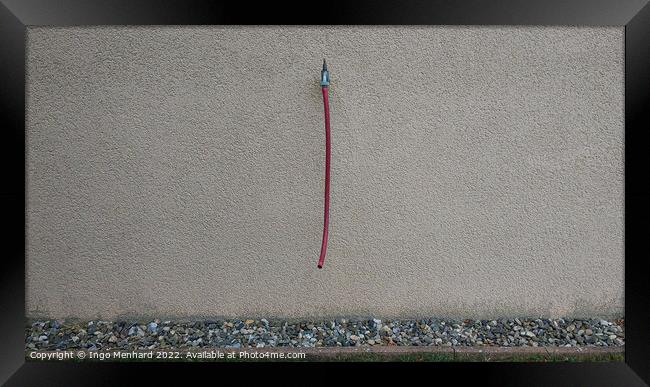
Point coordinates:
[(325, 82)]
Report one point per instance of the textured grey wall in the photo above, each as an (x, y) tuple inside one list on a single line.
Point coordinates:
[(179, 171)]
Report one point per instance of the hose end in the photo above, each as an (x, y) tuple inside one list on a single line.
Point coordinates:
[(320, 266), (324, 75)]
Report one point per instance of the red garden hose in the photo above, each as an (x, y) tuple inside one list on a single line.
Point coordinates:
[(325, 81)]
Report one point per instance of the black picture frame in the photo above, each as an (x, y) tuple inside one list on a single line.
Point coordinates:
[(634, 15)]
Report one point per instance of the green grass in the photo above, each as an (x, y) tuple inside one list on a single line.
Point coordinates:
[(605, 357), (450, 357)]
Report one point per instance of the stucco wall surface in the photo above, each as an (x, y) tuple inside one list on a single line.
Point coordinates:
[(178, 171)]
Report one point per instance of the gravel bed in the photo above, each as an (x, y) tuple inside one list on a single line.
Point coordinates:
[(138, 335)]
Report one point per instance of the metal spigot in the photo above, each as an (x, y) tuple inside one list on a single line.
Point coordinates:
[(324, 75)]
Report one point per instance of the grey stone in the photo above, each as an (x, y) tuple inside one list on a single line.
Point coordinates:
[(152, 327)]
